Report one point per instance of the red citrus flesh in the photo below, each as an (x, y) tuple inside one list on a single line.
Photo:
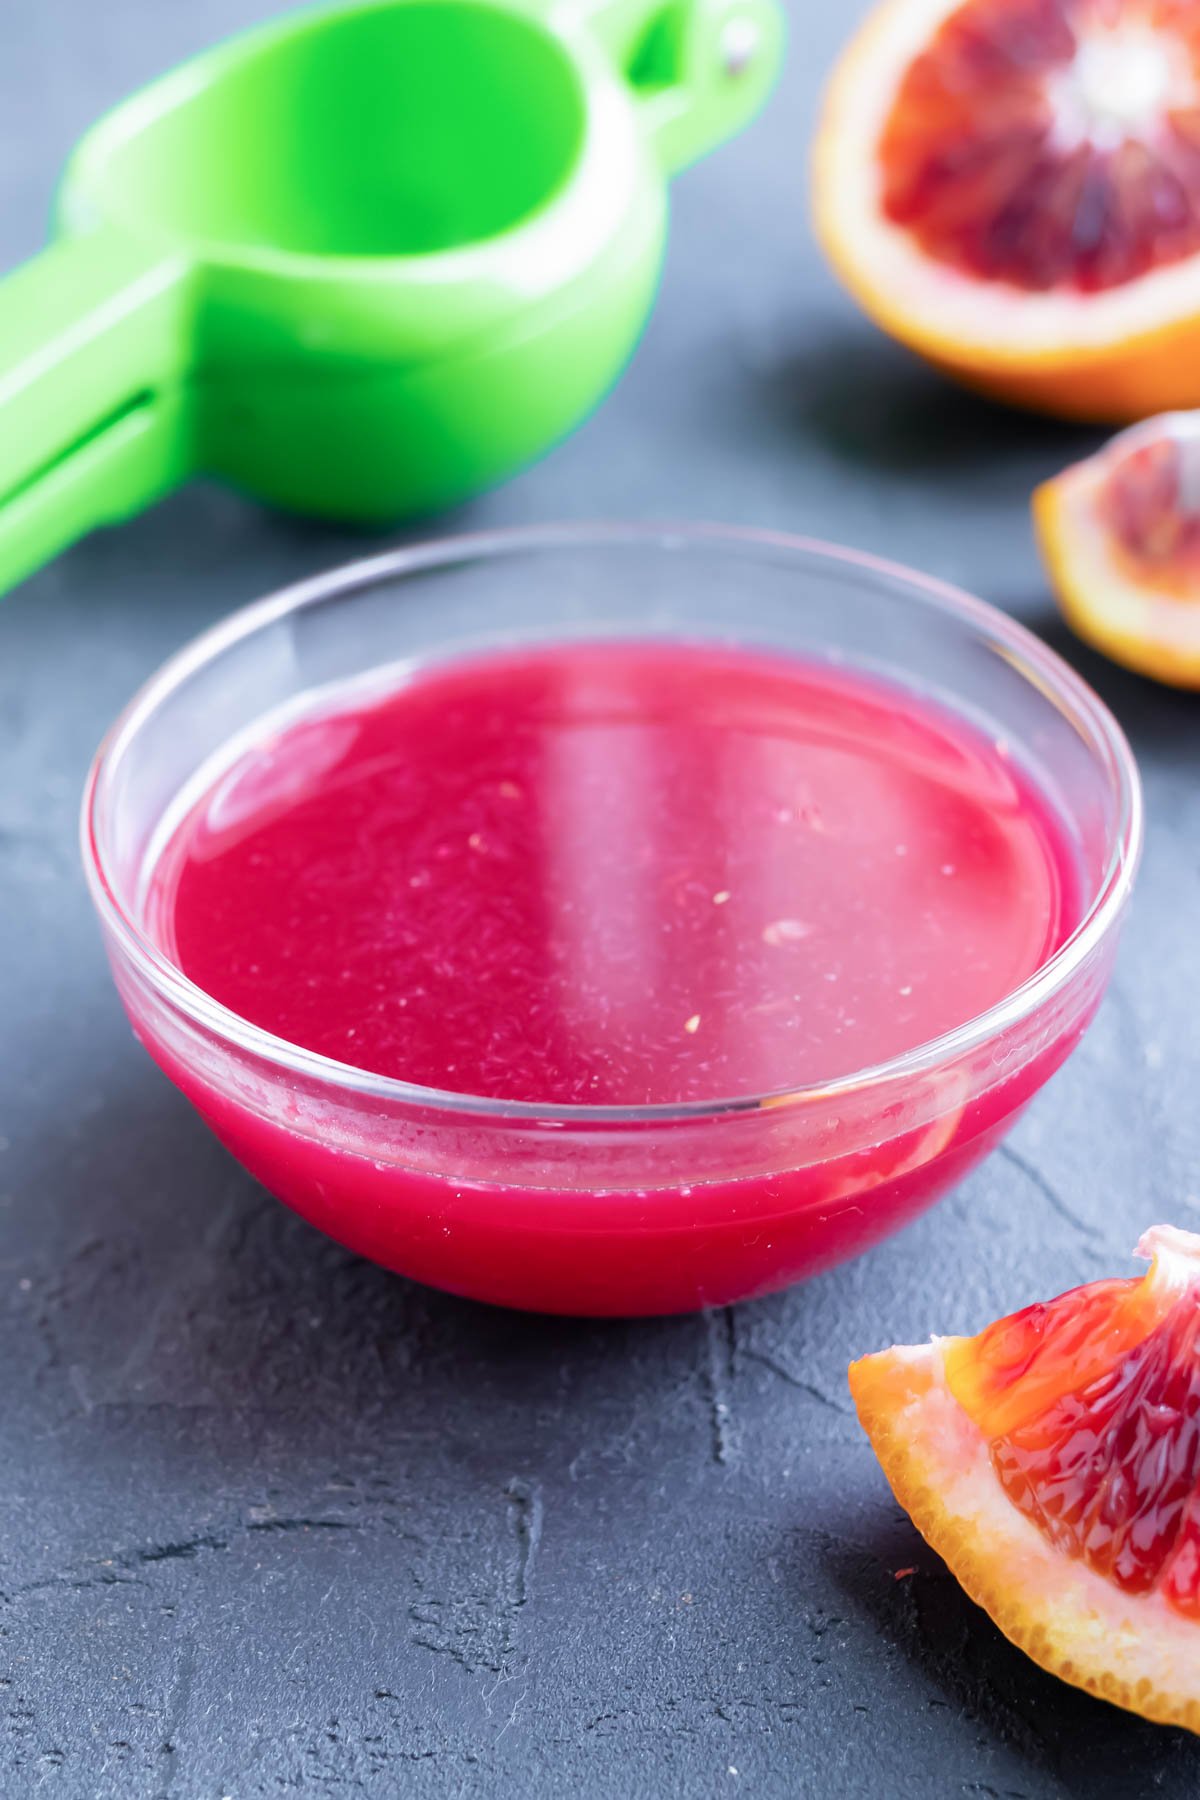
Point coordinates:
[(1150, 502), (1091, 1407), (1051, 143)]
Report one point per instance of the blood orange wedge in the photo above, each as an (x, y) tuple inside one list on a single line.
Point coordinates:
[(1012, 187), (1054, 1463), (1120, 534)]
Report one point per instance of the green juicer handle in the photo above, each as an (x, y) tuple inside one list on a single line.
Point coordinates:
[(93, 352), (700, 68)]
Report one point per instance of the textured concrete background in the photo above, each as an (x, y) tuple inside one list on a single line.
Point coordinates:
[(271, 1519)]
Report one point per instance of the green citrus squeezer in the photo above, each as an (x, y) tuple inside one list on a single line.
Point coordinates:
[(361, 262)]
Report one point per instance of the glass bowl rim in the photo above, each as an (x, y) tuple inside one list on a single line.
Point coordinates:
[(1033, 659)]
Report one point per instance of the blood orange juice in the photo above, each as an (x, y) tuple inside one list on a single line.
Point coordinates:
[(618, 875)]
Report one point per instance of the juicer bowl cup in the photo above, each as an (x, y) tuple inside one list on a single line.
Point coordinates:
[(369, 259), (604, 1210)]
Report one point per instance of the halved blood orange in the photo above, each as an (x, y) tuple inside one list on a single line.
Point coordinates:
[(1120, 535), (1012, 187), (1054, 1463)]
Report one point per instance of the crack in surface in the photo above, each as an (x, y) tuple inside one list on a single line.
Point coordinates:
[(302, 1524), (720, 1331), (78, 1584), (183, 1550), (793, 1380), (180, 1696), (462, 1646), (120, 1569), (525, 1514), (1049, 1193), (478, 1630)]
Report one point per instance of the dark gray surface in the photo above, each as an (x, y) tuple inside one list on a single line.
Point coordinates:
[(272, 1519)]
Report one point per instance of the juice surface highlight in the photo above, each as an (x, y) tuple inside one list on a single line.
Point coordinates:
[(618, 873)]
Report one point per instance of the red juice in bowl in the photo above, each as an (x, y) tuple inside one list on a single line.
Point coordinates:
[(618, 874)]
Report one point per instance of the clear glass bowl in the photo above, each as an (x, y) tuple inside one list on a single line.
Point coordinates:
[(599, 1210)]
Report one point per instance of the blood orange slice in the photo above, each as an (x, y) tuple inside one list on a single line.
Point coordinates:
[(1054, 1463), (1013, 188), (1120, 534)]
